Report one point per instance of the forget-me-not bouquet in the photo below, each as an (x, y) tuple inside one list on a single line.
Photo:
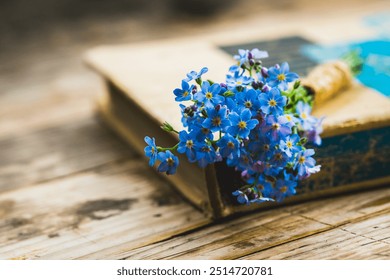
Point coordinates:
[(257, 121)]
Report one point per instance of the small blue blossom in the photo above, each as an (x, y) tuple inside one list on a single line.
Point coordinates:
[(313, 134), (258, 54), (248, 99), (272, 102), (277, 127), (201, 133), (183, 93), (187, 145), (305, 162), (193, 75), (289, 145), (250, 57), (229, 146), (241, 124), (279, 158), (237, 80), (293, 120), (264, 186), (216, 119), (245, 160), (280, 77), (151, 150), (264, 147), (169, 162), (306, 120), (241, 197), (284, 188), (209, 94), (205, 154)]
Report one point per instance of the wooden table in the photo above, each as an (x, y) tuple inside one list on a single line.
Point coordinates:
[(75, 191), (71, 189)]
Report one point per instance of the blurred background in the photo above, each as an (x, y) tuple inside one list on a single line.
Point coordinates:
[(42, 41), (43, 81)]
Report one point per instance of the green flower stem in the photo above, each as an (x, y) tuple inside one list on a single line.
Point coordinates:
[(161, 149), (168, 128), (298, 93)]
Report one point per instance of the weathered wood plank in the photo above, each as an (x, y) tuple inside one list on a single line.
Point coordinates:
[(368, 239), (260, 231), (122, 204), (35, 102), (58, 151)]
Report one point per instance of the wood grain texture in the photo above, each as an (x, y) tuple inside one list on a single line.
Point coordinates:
[(58, 151), (122, 205), (367, 239), (258, 232)]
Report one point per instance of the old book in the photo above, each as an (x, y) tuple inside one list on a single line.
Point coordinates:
[(355, 153)]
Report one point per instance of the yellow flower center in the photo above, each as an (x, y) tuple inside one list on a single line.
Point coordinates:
[(272, 103), (301, 160), (289, 118), (303, 116), (230, 145), (289, 144), (281, 77), (283, 189), (278, 156), (185, 93), (217, 121), (242, 124), (170, 161), (205, 130), (189, 144), (266, 147), (209, 95), (248, 104), (275, 126)]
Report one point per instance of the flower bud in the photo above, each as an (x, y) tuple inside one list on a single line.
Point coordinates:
[(265, 88), (297, 84), (264, 72), (255, 85)]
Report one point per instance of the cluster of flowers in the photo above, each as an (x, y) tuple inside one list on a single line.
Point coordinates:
[(254, 121)]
